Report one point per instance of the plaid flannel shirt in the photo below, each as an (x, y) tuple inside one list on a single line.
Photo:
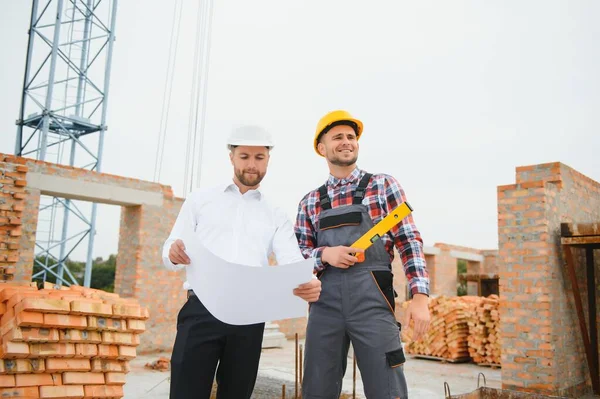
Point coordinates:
[(383, 194)]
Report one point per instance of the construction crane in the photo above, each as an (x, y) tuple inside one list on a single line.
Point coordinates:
[(63, 112), (62, 117)]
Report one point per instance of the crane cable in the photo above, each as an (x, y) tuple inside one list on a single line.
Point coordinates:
[(205, 68), (168, 88), (198, 90)]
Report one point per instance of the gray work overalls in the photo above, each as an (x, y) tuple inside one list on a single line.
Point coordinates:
[(356, 305)]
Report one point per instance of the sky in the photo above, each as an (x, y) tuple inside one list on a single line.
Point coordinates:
[(453, 95)]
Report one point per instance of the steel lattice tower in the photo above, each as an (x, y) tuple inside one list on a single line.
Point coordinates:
[(62, 118)]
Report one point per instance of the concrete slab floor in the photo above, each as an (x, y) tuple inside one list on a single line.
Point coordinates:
[(425, 377)]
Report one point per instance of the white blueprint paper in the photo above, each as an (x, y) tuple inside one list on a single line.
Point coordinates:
[(240, 294)]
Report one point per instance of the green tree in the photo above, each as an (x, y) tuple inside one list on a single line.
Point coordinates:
[(103, 271)]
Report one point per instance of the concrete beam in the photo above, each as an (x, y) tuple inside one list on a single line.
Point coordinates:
[(90, 191), (431, 250), (466, 256)]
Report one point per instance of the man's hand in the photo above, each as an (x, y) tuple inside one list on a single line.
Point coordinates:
[(340, 256), (177, 254), (310, 291), (418, 311)]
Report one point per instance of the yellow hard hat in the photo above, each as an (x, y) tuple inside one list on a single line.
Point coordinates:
[(335, 118)]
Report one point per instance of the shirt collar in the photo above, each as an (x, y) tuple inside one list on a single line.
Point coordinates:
[(351, 178), (234, 188)]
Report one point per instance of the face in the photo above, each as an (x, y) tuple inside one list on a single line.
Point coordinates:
[(249, 164), (339, 146)]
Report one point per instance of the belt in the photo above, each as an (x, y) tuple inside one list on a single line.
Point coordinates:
[(190, 293)]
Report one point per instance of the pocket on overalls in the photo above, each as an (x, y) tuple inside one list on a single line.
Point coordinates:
[(395, 358), (384, 280), (345, 219)]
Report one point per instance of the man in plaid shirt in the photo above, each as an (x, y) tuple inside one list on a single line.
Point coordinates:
[(357, 299)]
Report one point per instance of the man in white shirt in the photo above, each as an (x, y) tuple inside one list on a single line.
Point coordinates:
[(238, 224)]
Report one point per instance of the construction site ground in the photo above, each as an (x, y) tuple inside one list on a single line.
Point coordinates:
[(425, 377)]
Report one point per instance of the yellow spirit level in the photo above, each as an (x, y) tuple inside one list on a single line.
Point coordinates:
[(384, 225)]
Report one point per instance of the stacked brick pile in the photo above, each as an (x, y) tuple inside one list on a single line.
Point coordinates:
[(68, 343), (448, 332), (461, 328), (484, 332), (12, 193)]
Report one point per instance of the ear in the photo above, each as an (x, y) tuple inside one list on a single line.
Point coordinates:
[(321, 148), (231, 156)]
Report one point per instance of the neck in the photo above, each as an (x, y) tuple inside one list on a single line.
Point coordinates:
[(341, 171), (243, 189)]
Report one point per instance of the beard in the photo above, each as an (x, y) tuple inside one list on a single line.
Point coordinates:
[(249, 179), (336, 160)]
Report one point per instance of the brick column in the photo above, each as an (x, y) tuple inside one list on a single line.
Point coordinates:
[(17, 227), (446, 279), (141, 274), (542, 349)]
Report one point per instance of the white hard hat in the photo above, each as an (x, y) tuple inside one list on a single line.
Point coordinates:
[(250, 135)]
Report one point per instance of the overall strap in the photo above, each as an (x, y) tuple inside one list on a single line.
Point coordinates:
[(324, 198), (359, 194)]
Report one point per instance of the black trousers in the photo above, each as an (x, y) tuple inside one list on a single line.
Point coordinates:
[(201, 343)]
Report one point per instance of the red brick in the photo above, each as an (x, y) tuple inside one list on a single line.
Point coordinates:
[(108, 351), (101, 323), (115, 378), (13, 350), (137, 326), (18, 297), (118, 338), (24, 366), (104, 365), (65, 321), (44, 305), (7, 381), (80, 336), (33, 380), (88, 307), (28, 392), (103, 391), (127, 311), (55, 364), (76, 378), (30, 319), (127, 352), (35, 334), (52, 350), (64, 391), (86, 350)]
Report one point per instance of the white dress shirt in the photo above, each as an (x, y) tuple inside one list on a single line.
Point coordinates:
[(239, 228)]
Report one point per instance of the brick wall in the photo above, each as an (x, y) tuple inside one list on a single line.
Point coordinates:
[(490, 261), (542, 348), (17, 237), (446, 277), (442, 268), (143, 273)]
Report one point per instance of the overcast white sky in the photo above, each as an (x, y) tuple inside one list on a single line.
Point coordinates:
[(454, 96)]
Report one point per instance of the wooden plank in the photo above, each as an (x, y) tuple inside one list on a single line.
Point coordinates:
[(578, 305), (443, 359), (579, 229), (592, 315), (593, 241)]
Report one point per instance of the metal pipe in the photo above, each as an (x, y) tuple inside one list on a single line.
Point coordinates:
[(83, 62), (296, 369), (353, 374), (48, 104), (301, 366), (19, 141), (88, 265)]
